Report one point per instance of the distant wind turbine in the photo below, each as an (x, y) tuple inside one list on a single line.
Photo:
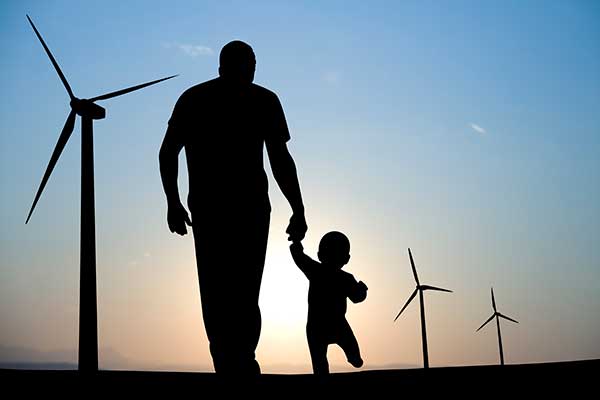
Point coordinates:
[(498, 316), (420, 289), (89, 111)]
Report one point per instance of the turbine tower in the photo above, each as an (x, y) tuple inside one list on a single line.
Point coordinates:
[(88, 111), (497, 315), (420, 289)]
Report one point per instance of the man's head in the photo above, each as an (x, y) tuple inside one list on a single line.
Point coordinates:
[(237, 62), (334, 249)]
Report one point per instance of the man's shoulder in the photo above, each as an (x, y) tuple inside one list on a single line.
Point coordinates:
[(199, 89), (263, 93), (210, 87)]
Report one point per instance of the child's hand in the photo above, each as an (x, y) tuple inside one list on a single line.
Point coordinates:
[(359, 292)]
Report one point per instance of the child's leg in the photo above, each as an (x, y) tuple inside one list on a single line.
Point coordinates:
[(318, 354), (347, 341)]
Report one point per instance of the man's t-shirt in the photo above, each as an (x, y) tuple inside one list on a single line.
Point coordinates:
[(224, 129)]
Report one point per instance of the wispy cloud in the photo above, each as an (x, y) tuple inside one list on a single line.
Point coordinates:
[(192, 50), (332, 77), (477, 128), (196, 50)]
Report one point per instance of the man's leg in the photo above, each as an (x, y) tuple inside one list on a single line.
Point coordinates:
[(208, 264), (249, 265), (230, 255)]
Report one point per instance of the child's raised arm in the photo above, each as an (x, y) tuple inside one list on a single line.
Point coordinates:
[(304, 262)]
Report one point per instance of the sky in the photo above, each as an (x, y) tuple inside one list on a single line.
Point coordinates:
[(468, 131)]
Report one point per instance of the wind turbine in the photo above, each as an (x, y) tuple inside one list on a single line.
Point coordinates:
[(498, 316), (420, 289), (89, 111)]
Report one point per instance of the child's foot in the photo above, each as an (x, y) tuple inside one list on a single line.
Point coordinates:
[(356, 362)]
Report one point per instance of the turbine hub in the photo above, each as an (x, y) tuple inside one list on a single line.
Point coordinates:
[(87, 108)]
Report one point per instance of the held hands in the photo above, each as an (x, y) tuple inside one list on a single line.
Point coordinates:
[(177, 218), (296, 247), (297, 228)]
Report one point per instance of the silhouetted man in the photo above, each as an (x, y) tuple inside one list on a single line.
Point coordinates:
[(223, 124)]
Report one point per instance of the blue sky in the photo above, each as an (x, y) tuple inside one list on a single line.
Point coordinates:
[(466, 130)]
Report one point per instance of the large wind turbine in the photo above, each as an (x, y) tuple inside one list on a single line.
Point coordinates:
[(88, 320), (420, 289), (498, 316)]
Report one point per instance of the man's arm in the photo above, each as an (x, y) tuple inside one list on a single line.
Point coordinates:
[(177, 216), (284, 172)]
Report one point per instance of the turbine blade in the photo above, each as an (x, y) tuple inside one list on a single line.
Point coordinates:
[(412, 296), (129, 89), (60, 145), (54, 63), (486, 322), (493, 301), (414, 269), (427, 287), (508, 318)]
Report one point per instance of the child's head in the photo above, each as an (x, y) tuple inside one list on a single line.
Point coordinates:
[(334, 249)]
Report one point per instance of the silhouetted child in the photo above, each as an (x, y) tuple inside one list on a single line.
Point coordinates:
[(329, 287)]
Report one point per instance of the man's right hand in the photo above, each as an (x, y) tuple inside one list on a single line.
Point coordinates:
[(297, 227), (177, 218)]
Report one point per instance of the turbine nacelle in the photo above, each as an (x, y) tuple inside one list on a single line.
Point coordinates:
[(87, 108), (428, 287)]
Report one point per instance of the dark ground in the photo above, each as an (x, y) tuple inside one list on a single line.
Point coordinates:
[(575, 379)]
